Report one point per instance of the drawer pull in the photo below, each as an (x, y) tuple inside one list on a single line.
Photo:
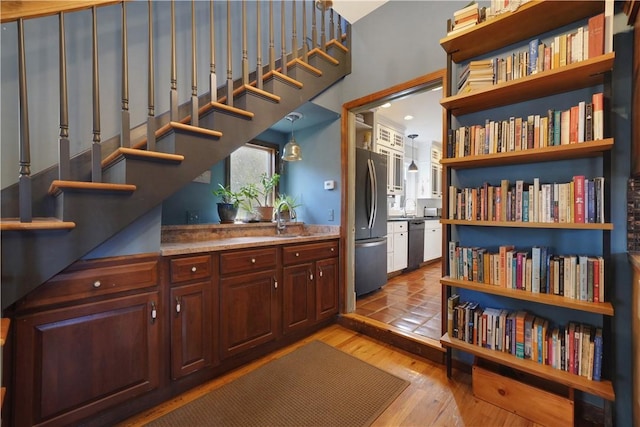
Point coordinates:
[(253, 260), (193, 269), (154, 312), (332, 249), (177, 305), (310, 276), (297, 254), (275, 283), (97, 284), (320, 274)]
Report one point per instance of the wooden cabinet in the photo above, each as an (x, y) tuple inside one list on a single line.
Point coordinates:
[(390, 143), (310, 284), (73, 360), (432, 240), (193, 300), (249, 295), (478, 170), (398, 246)]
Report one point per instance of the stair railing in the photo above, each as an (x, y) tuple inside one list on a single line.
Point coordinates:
[(149, 126)]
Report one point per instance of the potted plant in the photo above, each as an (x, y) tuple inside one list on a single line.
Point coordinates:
[(256, 196), (289, 205), (229, 202)]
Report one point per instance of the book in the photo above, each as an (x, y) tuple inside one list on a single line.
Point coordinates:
[(595, 28), (532, 67), (597, 355), (598, 115), (578, 201)]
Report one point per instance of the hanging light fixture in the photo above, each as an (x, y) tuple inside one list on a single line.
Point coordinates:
[(413, 167), (292, 151)]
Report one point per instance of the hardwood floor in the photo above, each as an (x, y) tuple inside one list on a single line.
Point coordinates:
[(430, 400), (409, 302)]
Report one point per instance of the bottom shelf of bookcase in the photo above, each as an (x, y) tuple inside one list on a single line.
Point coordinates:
[(544, 402), (602, 389)]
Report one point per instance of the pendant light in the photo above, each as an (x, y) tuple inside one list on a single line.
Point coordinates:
[(292, 151), (413, 167)]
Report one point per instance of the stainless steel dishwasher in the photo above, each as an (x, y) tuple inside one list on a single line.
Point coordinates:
[(416, 244)]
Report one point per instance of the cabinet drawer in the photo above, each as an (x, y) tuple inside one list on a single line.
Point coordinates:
[(313, 251), (88, 279), (190, 268), (248, 260), (399, 226)]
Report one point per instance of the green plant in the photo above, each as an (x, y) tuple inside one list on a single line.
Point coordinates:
[(259, 193), (290, 202), (225, 194)]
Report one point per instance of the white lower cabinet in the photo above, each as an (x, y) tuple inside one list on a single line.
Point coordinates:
[(397, 245), (432, 240)]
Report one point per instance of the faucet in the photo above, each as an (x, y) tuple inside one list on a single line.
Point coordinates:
[(280, 225)]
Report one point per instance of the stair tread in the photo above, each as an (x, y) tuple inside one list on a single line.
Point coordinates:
[(11, 224), (57, 186), (256, 91), (337, 44), (324, 55), (279, 75), (4, 329), (135, 152), (310, 68)]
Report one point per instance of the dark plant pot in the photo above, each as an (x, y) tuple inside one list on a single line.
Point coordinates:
[(227, 213)]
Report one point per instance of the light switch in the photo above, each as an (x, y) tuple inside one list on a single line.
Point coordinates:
[(329, 185)]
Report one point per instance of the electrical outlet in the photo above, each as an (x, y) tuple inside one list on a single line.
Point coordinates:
[(330, 214), (193, 217)]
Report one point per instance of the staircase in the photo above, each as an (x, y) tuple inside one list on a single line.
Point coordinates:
[(72, 216)]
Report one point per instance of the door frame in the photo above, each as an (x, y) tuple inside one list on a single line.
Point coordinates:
[(347, 131)]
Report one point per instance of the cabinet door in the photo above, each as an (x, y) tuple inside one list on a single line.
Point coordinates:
[(390, 167), (74, 362), (398, 172), (400, 250), (191, 328), (248, 311), (326, 288), (298, 297), (432, 242)]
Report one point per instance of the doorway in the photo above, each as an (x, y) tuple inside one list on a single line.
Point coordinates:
[(401, 303)]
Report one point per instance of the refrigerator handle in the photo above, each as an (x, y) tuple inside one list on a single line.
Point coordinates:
[(372, 187), (375, 194)]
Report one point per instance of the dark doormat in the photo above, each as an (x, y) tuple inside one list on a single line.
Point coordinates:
[(315, 385)]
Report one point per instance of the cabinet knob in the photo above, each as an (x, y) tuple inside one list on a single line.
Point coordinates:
[(253, 260), (177, 305), (332, 249), (310, 276), (297, 254), (97, 284), (193, 269), (275, 283)]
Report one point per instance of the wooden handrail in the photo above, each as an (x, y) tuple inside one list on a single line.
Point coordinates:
[(14, 10)]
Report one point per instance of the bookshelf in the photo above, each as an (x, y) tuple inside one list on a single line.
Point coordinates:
[(530, 20)]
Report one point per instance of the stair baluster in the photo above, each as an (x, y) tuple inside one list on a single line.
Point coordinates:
[(125, 122), (96, 146), (294, 31), (151, 119), (194, 69), (272, 49), (24, 180), (229, 66), (173, 93), (314, 27), (258, 47), (305, 48), (339, 33), (213, 83), (323, 35), (283, 39), (64, 154), (331, 24), (245, 53)]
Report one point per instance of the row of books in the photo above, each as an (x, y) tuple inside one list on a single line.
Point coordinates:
[(476, 75), (467, 17), (565, 49), (580, 123), (535, 270), (633, 214), (578, 201), (576, 348)]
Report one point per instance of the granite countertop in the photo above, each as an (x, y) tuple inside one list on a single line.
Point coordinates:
[(188, 239)]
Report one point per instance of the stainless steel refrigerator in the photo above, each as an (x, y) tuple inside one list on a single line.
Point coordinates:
[(370, 221)]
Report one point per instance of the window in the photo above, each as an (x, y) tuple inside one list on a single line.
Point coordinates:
[(248, 163)]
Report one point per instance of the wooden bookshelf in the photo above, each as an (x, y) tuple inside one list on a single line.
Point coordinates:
[(532, 155), (520, 224), (512, 27), (574, 76), (605, 308), (602, 389)]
